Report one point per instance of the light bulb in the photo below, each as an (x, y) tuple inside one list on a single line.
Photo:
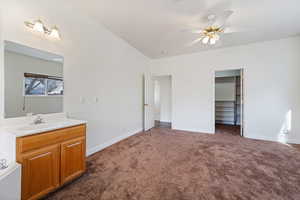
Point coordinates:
[(212, 41), (54, 33), (205, 40), (39, 26)]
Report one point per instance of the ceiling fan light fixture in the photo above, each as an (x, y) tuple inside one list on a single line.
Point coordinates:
[(216, 28), (211, 35), (205, 40), (213, 41), (38, 26), (54, 33)]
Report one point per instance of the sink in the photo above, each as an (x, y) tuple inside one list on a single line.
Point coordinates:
[(42, 126), (29, 129), (33, 127)]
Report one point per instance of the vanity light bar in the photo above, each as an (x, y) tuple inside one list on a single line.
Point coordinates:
[(31, 75), (38, 26)]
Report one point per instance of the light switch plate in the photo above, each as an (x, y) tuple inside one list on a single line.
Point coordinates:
[(82, 100)]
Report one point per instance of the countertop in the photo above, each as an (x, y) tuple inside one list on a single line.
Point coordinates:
[(22, 130)]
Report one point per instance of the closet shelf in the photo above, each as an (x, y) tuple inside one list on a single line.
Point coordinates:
[(224, 116), (226, 101), (224, 122), (224, 107), (224, 110)]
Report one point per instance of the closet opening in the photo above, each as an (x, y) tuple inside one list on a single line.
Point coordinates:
[(163, 101), (229, 102)]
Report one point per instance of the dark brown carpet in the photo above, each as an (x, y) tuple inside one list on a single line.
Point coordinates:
[(296, 146), (178, 165), (229, 129)]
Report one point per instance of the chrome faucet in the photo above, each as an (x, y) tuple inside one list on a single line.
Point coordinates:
[(38, 120), (3, 164)]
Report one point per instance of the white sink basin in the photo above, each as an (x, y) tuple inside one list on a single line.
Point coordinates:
[(30, 129), (34, 127)]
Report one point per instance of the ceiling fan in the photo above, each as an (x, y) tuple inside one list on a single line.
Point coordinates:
[(216, 27)]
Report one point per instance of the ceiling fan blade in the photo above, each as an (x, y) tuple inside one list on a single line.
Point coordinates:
[(226, 14), (228, 30), (222, 18), (219, 43), (197, 31), (192, 30), (195, 41)]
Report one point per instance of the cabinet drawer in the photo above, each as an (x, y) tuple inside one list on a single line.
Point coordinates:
[(32, 142)]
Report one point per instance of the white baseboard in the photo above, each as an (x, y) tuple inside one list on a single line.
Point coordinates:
[(100, 147), (293, 141), (289, 140), (261, 137), (194, 130)]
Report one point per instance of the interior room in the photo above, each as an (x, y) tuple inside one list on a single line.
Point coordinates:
[(146, 100)]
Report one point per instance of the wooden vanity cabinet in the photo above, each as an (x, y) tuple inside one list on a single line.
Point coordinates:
[(72, 159), (51, 159), (40, 172)]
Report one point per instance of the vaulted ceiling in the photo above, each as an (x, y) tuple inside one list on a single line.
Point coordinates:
[(158, 27)]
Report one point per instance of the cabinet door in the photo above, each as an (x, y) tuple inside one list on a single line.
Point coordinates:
[(72, 159), (40, 172)]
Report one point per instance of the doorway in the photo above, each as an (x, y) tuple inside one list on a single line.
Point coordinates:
[(229, 102), (162, 101)]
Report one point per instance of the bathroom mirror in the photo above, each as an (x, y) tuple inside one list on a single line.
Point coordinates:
[(33, 81)]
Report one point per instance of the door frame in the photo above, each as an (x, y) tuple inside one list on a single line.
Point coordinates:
[(152, 77), (243, 70), (145, 100)]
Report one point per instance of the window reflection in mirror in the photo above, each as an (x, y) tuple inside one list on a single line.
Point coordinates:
[(35, 86), (33, 81), (55, 87)]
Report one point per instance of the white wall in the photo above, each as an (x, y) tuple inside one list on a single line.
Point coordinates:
[(225, 89), (165, 99), (15, 65), (271, 87), (97, 64), (156, 100)]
